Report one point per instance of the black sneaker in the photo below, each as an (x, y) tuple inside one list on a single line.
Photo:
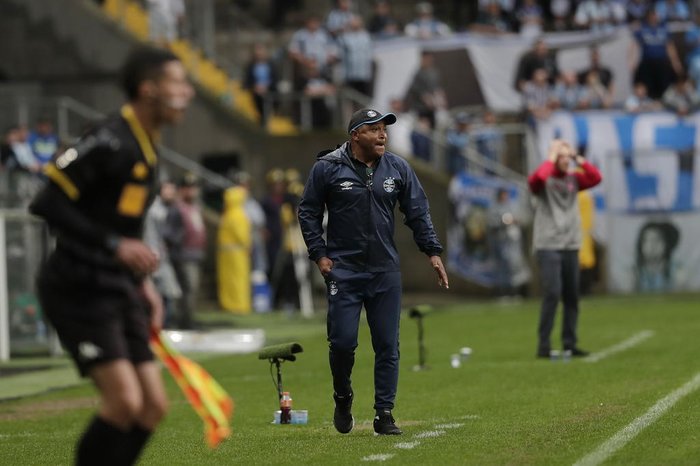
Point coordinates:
[(342, 417), (543, 353), (384, 424), (579, 353)]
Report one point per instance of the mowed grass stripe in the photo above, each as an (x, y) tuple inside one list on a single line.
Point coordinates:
[(515, 409), (631, 342), (624, 436)]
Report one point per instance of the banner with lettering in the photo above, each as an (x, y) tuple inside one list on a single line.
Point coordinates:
[(485, 241)]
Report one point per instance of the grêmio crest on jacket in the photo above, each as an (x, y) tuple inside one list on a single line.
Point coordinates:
[(395, 168)]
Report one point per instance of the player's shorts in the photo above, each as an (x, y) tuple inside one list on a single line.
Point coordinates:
[(98, 316)]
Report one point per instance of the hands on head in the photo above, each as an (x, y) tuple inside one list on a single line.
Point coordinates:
[(561, 148)]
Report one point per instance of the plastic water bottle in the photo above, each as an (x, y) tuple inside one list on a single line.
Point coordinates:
[(286, 408), (566, 355), (261, 291)]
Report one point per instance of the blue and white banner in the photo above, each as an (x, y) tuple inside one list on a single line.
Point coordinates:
[(648, 160), (473, 248)]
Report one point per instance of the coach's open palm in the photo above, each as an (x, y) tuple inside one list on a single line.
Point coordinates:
[(436, 264)]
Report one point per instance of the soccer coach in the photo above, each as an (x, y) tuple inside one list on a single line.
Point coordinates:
[(360, 184)]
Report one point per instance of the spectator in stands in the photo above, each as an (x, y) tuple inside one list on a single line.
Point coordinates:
[(530, 18), (256, 215), (400, 132), (8, 159), (636, 12), (489, 140), (505, 239), (681, 97), (277, 206), (692, 42), (598, 74), (188, 263), (457, 139), (491, 20), (271, 204), (165, 18), (597, 95), (658, 58), (44, 141), (421, 139), (672, 10), (599, 15), (261, 80), (507, 8), (560, 11), (22, 150), (425, 95), (355, 46), (311, 47), (568, 94), (163, 226), (597, 82), (640, 101), (537, 95), (382, 24), (318, 89), (24, 170), (234, 247), (338, 19), (426, 26), (538, 57)]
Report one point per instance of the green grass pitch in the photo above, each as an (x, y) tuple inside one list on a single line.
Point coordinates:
[(501, 407)]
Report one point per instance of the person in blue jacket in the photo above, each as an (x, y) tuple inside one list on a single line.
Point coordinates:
[(359, 184)]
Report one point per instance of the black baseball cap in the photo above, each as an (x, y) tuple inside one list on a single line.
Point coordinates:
[(367, 116)]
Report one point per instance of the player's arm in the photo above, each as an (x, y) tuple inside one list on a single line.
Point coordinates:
[(69, 177), (311, 208), (413, 203)]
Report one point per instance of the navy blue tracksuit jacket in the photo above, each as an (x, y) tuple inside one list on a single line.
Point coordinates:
[(361, 215)]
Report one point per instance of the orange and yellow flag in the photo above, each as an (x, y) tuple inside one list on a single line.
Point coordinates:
[(211, 402)]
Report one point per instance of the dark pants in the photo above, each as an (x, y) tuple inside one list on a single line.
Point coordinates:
[(559, 277), (381, 295)]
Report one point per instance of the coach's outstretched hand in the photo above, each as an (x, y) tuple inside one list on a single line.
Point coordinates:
[(436, 264)]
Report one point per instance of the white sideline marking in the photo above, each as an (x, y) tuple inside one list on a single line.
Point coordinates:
[(452, 425), (634, 340), (429, 434), (407, 445), (380, 457), (623, 436)]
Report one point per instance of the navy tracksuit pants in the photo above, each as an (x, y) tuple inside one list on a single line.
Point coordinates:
[(381, 295)]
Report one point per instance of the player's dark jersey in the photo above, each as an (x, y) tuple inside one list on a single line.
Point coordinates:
[(109, 178)]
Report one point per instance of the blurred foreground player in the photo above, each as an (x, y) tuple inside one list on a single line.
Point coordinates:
[(557, 239), (95, 287)]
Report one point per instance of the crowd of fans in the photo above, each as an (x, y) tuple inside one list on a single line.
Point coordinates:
[(333, 50)]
